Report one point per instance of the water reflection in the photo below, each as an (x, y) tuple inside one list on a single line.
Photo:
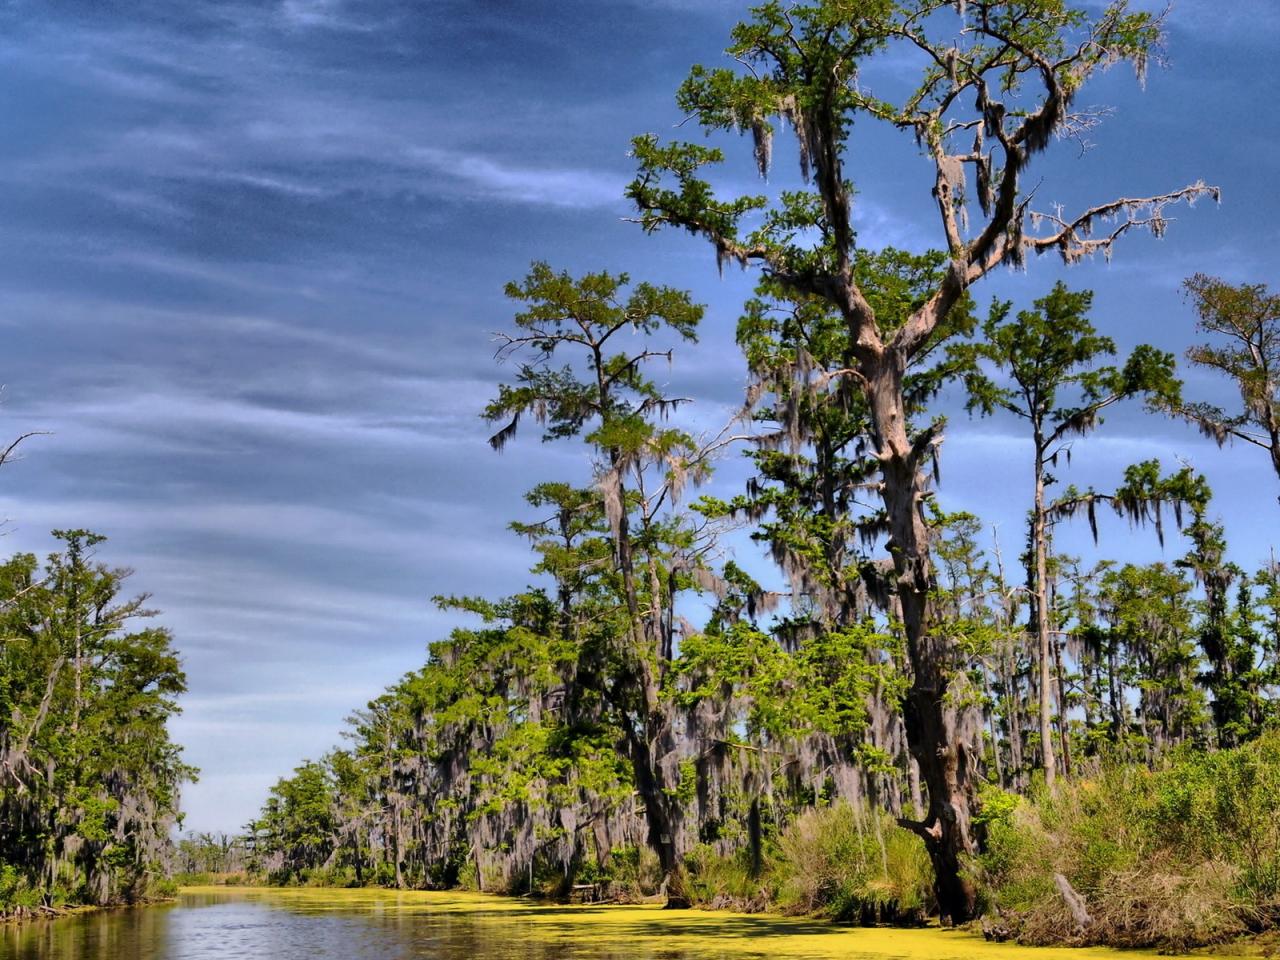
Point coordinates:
[(264, 924), (234, 926)]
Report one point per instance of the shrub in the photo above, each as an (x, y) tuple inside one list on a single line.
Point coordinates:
[(854, 865), (1186, 855), (17, 896), (720, 881)]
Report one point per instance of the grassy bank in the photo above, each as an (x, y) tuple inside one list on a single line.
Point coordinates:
[(1182, 856), (839, 863)]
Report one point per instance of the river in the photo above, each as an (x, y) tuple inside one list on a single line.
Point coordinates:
[(308, 924)]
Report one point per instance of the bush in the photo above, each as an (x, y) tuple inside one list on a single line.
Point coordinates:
[(1183, 856), (17, 896), (721, 881), (837, 862), (629, 873), (854, 865)]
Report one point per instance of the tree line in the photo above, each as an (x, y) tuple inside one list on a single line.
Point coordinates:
[(89, 776)]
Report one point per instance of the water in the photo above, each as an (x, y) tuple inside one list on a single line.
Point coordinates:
[(257, 924)]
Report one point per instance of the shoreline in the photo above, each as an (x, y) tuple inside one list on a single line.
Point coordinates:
[(650, 926), (44, 914), (37, 914)]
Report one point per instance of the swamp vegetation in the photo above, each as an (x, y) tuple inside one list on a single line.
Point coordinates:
[(89, 776), (876, 715)]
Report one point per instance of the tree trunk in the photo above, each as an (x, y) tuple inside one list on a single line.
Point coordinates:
[(1064, 730), (1013, 704), (989, 695), (941, 729), (1113, 686), (658, 817), (1007, 676), (660, 813), (79, 696), (917, 792), (1040, 593), (399, 846)]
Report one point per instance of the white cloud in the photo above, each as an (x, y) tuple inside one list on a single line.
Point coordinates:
[(563, 187)]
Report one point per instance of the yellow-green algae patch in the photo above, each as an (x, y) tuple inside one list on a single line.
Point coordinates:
[(646, 928)]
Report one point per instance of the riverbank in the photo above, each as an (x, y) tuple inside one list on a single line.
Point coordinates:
[(209, 922), (44, 913), (1176, 857), (31, 914)]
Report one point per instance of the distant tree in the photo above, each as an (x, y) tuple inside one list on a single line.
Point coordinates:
[(209, 852), (298, 818), (1231, 640), (1151, 648), (1051, 355), (1245, 321), (602, 394), (89, 777)]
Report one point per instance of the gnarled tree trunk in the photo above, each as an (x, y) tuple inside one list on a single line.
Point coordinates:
[(941, 725)]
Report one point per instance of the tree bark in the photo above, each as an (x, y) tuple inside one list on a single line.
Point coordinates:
[(658, 817), (1064, 730), (940, 727), (1040, 593)]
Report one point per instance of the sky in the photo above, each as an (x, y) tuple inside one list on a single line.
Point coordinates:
[(251, 264)]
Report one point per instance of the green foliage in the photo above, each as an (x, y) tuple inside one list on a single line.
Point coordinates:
[(823, 686), (298, 818), (17, 892), (1178, 857), (839, 862), (1244, 321), (1052, 351), (583, 316), (89, 778), (996, 807), (851, 864)]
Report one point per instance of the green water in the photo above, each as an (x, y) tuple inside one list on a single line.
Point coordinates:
[(208, 923)]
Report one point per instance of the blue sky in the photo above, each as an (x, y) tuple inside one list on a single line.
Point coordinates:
[(252, 255)]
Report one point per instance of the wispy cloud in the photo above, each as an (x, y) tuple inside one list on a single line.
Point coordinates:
[(328, 14), (563, 187)]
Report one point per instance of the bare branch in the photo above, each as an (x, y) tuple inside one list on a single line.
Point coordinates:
[(10, 450), (1074, 240)]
